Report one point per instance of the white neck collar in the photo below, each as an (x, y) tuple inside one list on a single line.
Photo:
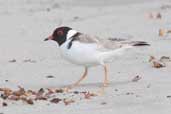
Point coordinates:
[(71, 33)]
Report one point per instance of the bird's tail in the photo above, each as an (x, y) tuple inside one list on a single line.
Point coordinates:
[(127, 42), (139, 43), (126, 45)]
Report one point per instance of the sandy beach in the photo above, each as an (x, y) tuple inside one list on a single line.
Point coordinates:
[(26, 60)]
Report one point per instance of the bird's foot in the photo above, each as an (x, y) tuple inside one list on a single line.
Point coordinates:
[(102, 89), (106, 83), (66, 89)]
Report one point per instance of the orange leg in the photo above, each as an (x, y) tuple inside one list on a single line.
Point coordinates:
[(78, 82), (84, 75), (105, 83)]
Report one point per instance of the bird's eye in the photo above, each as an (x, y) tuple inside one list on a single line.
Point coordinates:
[(60, 33)]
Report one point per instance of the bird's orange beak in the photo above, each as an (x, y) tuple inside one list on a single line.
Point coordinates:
[(49, 38)]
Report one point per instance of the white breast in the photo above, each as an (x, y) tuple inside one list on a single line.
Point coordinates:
[(81, 53)]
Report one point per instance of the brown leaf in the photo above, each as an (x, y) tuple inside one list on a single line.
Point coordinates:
[(50, 91), (19, 92), (88, 95), (13, 97), (41, 91), (28, 101), (41, 98), (31, 92), (40, 95), (3, 96), (158, 64), (6, 91), (59, 90), (162, 32), (55, 100), (4, 104), (68, 101)]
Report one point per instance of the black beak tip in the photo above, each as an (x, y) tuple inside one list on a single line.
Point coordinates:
[(46, 39)]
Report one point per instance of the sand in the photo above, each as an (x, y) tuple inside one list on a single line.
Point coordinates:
[(25, 24)]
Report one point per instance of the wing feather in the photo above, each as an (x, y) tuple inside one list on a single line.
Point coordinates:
[(102, 44), (106, 44)]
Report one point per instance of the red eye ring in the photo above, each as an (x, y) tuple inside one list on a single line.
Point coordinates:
[(60, 32)]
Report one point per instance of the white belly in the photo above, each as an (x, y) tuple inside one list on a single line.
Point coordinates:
[(81, 54)]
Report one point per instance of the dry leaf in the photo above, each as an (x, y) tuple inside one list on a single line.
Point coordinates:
[(50, 91), (162, 32), (40, 95), (41, 98), (4, 104), (68, 101), (19, 92), (29, 101), (6, 92), (30, 92), (59, 90), (88, 95), (13, 97), (40, 92), (3, 96), (158, 64), (55, 100)]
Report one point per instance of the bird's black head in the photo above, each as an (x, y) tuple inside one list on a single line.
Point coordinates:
[(59, 35)]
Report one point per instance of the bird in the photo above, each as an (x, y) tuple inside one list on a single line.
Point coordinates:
[(88, 51)]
